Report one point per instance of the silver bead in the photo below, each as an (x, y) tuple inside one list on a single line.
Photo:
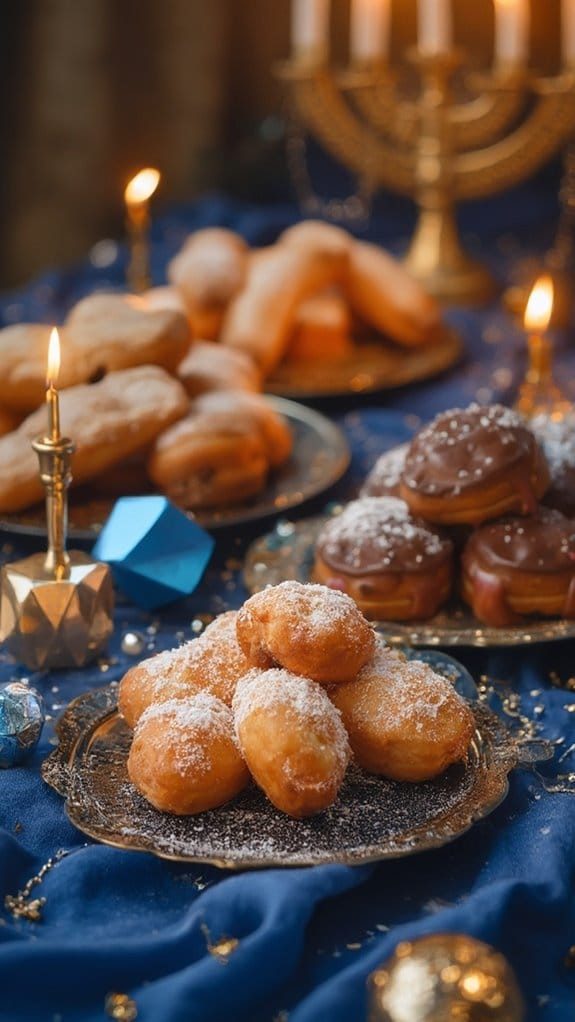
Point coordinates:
[(133, 643)]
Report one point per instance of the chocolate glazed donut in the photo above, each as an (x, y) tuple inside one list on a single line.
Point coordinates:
[(521, 566), (471, 465)]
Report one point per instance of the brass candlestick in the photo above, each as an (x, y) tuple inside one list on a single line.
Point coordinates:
[(137, 195), (55, 608), (435, 148)]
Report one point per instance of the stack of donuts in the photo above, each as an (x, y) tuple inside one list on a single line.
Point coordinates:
[(285, 692), (163, 389), (478, 504)]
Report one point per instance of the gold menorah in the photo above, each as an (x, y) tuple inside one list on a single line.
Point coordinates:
[(436, 147)]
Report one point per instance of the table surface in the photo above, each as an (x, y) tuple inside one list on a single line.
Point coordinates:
[(125, 922)]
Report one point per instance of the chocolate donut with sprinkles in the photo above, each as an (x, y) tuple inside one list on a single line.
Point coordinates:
[(474, 464), (395, 566)]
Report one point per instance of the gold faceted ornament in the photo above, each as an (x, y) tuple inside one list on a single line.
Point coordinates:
[(56, 622), (445, 977)]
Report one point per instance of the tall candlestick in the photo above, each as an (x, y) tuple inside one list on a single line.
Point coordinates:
[(511, 44), (568, 32), (310, 30), (369, 30), (137, 198), (434, 28)]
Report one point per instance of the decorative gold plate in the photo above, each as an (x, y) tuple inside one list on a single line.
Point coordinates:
[(319, 458), (373, 365), (372, 818), (287, 553)]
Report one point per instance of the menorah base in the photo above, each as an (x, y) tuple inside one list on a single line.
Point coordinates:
[(437, 259)]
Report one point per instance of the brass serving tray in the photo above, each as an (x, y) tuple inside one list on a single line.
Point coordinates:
[(374, 364), (320, 456), (372, 818)]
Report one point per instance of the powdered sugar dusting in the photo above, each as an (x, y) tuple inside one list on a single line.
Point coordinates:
[(376, 533), (386, 474), (198, 719)]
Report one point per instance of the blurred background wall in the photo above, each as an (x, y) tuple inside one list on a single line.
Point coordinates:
[(95, 89)]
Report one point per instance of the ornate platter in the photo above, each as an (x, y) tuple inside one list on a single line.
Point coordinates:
[(287, 552), (372, 818), (319, 458), (375, 364)]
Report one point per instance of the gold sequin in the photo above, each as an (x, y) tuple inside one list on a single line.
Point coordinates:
[(121, 1007)]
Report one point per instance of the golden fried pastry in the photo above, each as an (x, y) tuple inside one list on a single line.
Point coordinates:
[(209, 366), (403, 720), (395, 566), (209, 459), (103, 332), (378, 288), (208, 271), (322, 329), (9, 420), (255, 409), (385, 295), (385, 477), (311, 630), (517, 567), (166, 297), (260, 319), (292, 739), (184, 756), (109, 421), (470, 465), (211, 663)]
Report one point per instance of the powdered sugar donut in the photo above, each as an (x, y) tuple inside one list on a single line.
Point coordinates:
[(292, 739), (314, 631), (212, 663), (404, 721), (184, 757)]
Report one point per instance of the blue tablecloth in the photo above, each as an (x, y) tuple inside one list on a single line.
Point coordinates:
[(126, 922)]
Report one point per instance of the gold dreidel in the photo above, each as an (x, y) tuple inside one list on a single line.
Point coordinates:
[(538, 393), (137, 198), (55, 608)]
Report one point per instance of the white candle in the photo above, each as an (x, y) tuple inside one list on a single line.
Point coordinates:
[(568, 32), (511, 32), (369, 29), (434, 29), (310, 29)]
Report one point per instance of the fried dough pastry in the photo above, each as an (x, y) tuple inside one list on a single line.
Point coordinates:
[(109, 421), (404, 721), (208, 271), (311, 630), (209, 366), (292, 739), (184, 756), (211, 663), (102, 333)]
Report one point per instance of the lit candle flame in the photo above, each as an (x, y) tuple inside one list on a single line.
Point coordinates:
[(51, 382), (540, 305), (142, 186), (53, 359)]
